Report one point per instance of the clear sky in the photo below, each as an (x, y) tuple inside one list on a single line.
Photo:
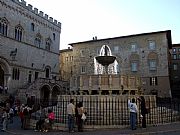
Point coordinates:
[(83, 19)]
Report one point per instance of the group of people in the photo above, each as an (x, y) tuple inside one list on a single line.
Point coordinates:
[(3, 89), (9, 110), (76, 113), (134, 110), (25, 115)]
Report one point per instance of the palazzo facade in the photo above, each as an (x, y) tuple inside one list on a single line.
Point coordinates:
[(29, 50), (145, 55)]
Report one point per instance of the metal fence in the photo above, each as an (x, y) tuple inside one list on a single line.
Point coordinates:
[(114, 112)]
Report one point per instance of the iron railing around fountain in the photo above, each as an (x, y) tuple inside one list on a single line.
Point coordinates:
[(114, 113)]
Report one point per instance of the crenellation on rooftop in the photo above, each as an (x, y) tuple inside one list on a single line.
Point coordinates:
[(37, 12), (46, 16), (41, 13), (59, 23), (23, 3), (50, 19), (55, 21), (30, 6)]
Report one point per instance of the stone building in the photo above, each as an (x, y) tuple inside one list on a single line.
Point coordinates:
[(175, 70), (66, 66), (145, 55), (29, 50)]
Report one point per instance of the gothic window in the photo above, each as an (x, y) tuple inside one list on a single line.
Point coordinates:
[(18, 33), (36, 75), (15, 74), (47, 72), (54, 36), (32, 26), (3, 26), (37, 41), (48, 44), (29, 77)]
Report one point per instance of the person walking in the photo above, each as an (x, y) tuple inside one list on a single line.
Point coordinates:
[(80, 121), (133, 113), (71, 115), (143, 110)]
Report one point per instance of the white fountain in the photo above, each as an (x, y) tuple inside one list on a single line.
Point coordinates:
[(105, 63)]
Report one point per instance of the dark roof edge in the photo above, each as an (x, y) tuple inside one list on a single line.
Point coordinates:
[(65, 50), (176, 45), (165, 31)]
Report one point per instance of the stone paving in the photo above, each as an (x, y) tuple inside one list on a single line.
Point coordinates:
[(173, 129)]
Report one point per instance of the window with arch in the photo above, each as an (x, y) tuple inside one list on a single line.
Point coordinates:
[(32, 26), (18, 33), (54, 36), (3, 26), (37, 40), (48, 44), (47, 72)]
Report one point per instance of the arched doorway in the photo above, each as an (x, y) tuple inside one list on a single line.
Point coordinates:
[(45, 95), (1, 79), (55, 93)]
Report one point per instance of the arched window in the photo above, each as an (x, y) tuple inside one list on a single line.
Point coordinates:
[(18, 33), (48, 44), (3, 26), (54, 36), (37, 40), (47, 72), (32, 26)]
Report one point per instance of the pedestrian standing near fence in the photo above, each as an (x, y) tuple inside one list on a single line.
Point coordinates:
[(143, 110), (80, 120), (133, 113), (11, 114), (71, 115)]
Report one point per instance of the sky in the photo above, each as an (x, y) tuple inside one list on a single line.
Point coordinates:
[(81, 20)]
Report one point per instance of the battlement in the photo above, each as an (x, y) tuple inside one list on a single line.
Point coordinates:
[(36, 11)]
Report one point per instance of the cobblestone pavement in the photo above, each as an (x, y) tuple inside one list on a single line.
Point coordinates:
[(164, 129)]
